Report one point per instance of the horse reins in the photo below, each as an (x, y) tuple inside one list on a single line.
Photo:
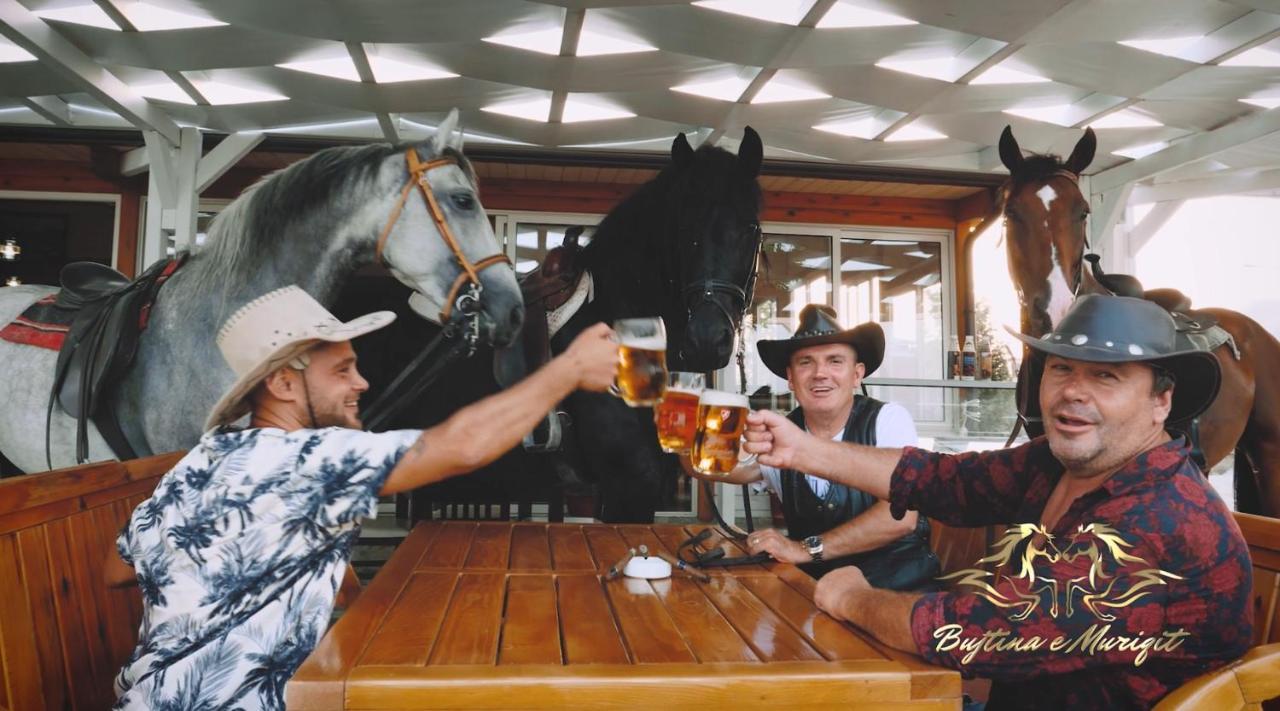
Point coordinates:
[(463, 298)]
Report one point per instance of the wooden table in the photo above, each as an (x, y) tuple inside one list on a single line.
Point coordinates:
[(516, 615)]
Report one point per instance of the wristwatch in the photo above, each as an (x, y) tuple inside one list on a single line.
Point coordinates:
[(813, 544)]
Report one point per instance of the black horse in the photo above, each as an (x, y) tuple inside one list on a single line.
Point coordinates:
[(684, 246)]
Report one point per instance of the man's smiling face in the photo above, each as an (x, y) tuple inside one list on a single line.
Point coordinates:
[(824, 378)]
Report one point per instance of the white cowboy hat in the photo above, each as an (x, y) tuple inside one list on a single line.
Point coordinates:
[(272, 330)]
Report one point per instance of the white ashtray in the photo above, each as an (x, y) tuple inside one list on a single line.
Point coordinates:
[(649, 568)]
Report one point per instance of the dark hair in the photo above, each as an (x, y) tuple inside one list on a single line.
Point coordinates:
[(1164, 380)]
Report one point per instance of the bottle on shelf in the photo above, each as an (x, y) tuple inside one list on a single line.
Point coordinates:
[(953, 359), (968, 360), (984, 360)]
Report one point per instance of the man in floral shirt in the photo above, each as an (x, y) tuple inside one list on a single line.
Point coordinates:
[(1123, 574), (240, 550)]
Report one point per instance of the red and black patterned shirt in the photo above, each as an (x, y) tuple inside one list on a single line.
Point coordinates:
[(1194, 578)]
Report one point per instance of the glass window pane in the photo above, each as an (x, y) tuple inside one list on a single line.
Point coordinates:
[(795, 272), (898, 284)]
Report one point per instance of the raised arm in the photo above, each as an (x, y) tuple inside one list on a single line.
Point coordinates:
[(483, 431)]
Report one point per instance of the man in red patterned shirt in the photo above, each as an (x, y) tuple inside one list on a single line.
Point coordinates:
[(1132, 576)]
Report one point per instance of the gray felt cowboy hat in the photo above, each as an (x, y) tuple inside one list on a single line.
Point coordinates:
[(271, 331), (1119, 329), (818, 327)]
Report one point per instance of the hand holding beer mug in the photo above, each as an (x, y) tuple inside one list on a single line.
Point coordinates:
[(722, 420), (677, 414), (642, 361)]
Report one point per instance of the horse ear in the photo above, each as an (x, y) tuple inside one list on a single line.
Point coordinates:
[(1082, 155), (750, 152), (444, 133), (1010, 153), (681, 151)]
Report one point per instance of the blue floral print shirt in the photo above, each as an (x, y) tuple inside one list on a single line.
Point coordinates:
[(239, 553)]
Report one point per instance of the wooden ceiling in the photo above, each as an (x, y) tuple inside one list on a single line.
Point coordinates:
[(265, 161)]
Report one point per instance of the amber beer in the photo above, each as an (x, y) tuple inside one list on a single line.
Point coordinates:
[(722, 420), (676, 416), (642, 361)]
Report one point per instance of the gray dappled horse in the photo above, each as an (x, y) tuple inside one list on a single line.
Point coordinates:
[(312, 224)]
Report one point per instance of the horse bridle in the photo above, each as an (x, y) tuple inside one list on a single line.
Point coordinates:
[(700, 292), (1023, 420), (459, 314), (465, 293)]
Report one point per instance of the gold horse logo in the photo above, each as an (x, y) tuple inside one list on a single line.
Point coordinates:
[(1014, 583)]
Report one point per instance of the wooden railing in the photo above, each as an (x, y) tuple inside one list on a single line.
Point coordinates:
[(63, 633)]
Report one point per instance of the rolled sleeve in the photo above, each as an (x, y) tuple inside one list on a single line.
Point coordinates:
[(965, 489)]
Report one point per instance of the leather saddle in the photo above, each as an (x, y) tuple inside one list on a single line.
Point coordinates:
[(1175, 302), (546, 289), (110, 313)]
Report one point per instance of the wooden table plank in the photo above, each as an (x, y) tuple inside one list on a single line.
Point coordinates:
[(648, 630), (773, 639), (671, 687), (491, 547), (504, 615), (319, 683), (450, 546), (830, 637), (469, 634), (529, 547), (569, 552), (413, 622), (607, 546), (706, 631), (531, 632), (591, 634)]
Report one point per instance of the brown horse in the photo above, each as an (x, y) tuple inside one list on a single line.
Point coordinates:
[(1046, 216)]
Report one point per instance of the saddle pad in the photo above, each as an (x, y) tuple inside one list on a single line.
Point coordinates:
[(1209, 339), (584, 292), (42, 325)]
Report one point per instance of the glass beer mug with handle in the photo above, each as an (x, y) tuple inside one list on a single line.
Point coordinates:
[(722, 421), (677, 414), (642, 361)]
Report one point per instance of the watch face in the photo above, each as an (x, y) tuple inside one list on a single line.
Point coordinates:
[(812, 542)]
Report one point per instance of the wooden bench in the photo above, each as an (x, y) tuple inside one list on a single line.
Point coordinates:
[(63, 633)]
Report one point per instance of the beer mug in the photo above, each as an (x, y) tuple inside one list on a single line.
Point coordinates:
[(642, 361), (677, 414), (722, 421)]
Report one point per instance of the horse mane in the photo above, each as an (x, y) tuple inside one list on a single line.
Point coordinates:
[(307, 193), (1037, 166), (712, 175)]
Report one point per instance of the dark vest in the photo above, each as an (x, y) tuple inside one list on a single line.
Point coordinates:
[(904, 564)]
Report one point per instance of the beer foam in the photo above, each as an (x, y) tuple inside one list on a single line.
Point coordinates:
[(684, 389), (721, 398), (644, 343)]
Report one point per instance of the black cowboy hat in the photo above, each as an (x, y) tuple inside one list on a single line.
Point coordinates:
[(1119, 329), (818, 327)]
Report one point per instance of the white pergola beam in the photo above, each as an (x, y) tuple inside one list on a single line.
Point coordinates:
[(51, 108), (1230, 184), (161, 161), (1106, 209), (1158, 217), (365, 71), (1233, 38), (815, 13), (187, 165), (20, 26), (134, 162), (1189, 150), (223, 156)]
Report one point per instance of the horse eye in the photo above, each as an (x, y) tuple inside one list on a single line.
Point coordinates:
[(463, 201)]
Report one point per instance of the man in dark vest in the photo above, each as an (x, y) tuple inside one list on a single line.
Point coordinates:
[(832, 525)]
